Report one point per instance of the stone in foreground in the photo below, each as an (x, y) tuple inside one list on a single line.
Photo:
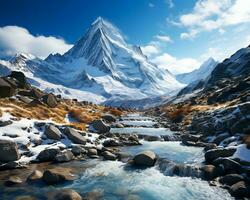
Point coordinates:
[(99, 126), (8, 151), (52, 132), (74, 136), (145, 158)]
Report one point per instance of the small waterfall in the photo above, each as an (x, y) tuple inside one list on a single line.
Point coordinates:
[(171, 137), (170, 168)]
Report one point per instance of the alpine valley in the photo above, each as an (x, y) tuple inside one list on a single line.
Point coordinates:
[(103, 122)]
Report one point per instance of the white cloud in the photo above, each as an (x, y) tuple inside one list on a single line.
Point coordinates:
[(15, 39), (208, 15), (163, 38), (175, 65), (150, 50)]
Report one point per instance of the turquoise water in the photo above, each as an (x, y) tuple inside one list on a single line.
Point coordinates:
[(142, 131), (173, 151), (114, 180)]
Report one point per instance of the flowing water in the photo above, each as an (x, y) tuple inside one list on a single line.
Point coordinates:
[(114, 180)]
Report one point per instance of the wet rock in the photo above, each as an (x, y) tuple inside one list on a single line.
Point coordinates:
[(12, 165), (13, 180), (210, 146), (48, 155), (108, 155), (57, 175), (50, 100), (229, 165), (210, 172), (145, 158), (240, 189), (8, 151), (119, 125), (74, 136), (220, 138), (52, 132), (64, 156), (216, 153), (92, 152), (6, 90), (77, 150), (99, 126), (231, 179), (111, 143), (5, 123), (188, 137), (109, 118), (123, 157), (152, 138), (35, 175), (65, 194)]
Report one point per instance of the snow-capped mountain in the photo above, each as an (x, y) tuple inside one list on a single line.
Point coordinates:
[(228, 74), (202, 73), (100, 66)]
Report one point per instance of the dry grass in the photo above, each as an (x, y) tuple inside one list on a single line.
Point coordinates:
[(113, 111), (83, 114)]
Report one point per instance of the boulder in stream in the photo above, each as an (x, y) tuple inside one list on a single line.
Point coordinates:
[(145, 158)]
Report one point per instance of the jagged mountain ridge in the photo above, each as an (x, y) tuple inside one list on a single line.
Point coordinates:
[(202, 73), (228, 78), (100, 64)]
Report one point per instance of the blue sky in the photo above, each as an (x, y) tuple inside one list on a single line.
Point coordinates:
[(175, 34)]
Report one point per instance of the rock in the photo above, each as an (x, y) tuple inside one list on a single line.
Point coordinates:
[(5, 123), (6, 90), (210, 146), (108, 155), (152, 138), (13, 180), (57, 175), (50, 100), (220, 138), (8, 151), (240, 189), (109, 118), (119, 125), (210, 172), (216, 153), (231, 179), (20, 77), (74, 136), (65, 194), (92, 152), (99, 126), (111, 143), (145, 158), (77, 150), (12, 165), (25, 99), (52, 132), (48, 155), (64, 156), (229, 165), (189, 137), (35, 175), (123, 157)]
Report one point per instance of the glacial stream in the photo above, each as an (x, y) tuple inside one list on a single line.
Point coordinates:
[(114, 180)]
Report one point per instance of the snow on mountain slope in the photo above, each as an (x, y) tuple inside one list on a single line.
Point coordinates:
[(204, 71), (100, 66)]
